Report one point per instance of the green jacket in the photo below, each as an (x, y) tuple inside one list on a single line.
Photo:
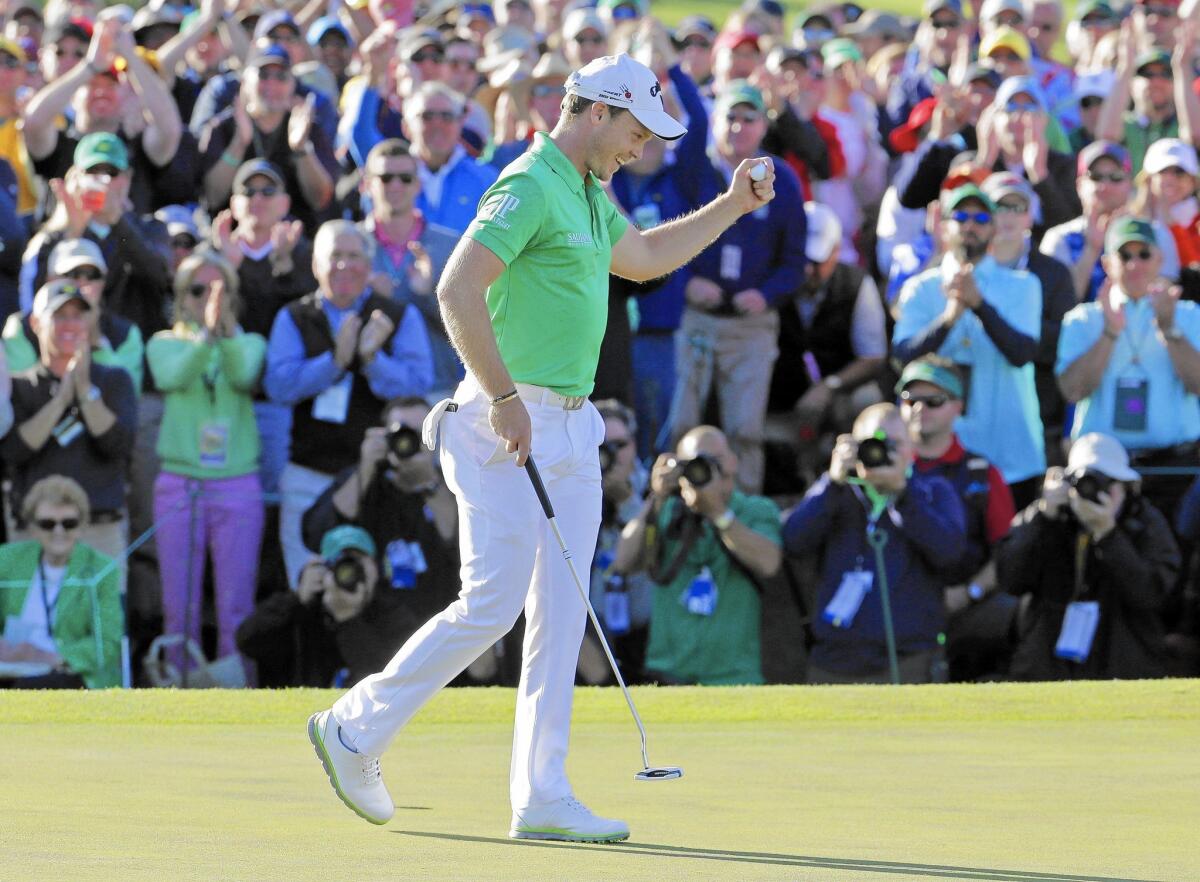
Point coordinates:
[(88, 621), (21, 350), (208, 428)]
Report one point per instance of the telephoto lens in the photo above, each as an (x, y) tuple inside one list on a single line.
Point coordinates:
[(699, 471), (1090, 485), (348, 572), (403, 441), (875, 452)]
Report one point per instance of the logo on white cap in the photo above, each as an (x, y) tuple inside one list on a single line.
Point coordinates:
[(619, 81)]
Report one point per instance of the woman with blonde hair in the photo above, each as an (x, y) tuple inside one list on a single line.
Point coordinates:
[(59, 598), (1167, 193), (208, 497)]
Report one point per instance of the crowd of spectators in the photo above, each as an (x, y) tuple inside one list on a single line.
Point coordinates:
[(930, 414)]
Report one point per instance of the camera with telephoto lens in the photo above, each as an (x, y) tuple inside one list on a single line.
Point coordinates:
[(876, 451), (1090, 485), (698, 471), (348, 571), (403, 441)]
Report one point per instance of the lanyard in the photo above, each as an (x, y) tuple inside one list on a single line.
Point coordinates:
[(1135, 344), (49, 607)]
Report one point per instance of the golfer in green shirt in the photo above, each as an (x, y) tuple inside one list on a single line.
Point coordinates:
[(524, 298)]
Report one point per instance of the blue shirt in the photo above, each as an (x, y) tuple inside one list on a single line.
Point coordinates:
[(463, 185), (404, 368), (1172, 413), (1002, 419)]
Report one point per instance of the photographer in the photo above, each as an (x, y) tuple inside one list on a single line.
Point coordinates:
[(872, 489), (1097, 561), (308, 636), (706, 545)]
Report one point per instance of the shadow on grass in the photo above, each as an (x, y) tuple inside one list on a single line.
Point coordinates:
[(931, 871)]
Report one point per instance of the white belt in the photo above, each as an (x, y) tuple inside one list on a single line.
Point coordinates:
[(548, 397)]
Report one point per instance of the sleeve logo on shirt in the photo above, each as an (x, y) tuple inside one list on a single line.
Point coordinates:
[(496, 209)]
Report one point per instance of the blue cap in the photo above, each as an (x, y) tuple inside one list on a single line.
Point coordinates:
[(1020, 86), (268, 55), (273, 19), (322, 26), (477, 10)]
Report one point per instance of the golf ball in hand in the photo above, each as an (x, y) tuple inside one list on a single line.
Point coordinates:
[(759, 172)]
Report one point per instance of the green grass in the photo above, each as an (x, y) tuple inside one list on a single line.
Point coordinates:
[(1047, 783)]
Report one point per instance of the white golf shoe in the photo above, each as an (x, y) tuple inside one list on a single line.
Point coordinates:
[(568, 820), (354, 776)]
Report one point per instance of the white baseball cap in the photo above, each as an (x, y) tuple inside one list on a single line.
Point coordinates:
[(1168, 153), (619, 81), (1101, 453), (824, 232), (71, 254)]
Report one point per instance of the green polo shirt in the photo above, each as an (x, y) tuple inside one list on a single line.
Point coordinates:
[(555, 233)]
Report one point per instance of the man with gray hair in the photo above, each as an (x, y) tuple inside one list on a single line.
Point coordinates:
[(336, 356), (452, 182)]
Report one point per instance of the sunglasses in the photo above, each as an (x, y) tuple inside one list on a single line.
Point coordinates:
[(402, 177), (47, 525), (697, 42), (945, 24), (422, 57), (743, 118), (9, 61), (545, 90), (1130, 256), (267, 191), (1090, 101), (198, 290), (594, 39), (983, 218), (1011, 208), (1098, 21), (85, 274), (446, 116), (1156, 73), (278, 74), (111, 170), (1110, 178), (931, 401), (184, 242), (1021, 106)]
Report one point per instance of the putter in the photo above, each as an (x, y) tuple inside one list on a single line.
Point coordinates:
[(648, 772)]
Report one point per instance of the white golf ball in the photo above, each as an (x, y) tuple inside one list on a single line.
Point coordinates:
[(759, 172)]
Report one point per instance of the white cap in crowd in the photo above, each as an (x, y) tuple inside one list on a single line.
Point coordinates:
[(1095, 452), (824, 232)]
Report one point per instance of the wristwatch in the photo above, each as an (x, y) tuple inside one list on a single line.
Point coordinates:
[(725, 521), (1173, 334)]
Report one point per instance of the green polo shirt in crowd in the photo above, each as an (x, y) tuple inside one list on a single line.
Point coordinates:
[(1140, 133), (554, 231), (724, 648)]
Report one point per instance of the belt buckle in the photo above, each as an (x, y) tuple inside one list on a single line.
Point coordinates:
[(573, 402)]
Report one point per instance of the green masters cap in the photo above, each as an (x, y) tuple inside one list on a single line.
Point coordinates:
[(346, 536), (959, 195), (1153, 56), (740, 92), (837, 52), (944, 376), (1084, 8), (101, 148), (1128, 229)]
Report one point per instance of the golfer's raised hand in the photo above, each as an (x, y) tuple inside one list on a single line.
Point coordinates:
[(510, 420), (750, 194)]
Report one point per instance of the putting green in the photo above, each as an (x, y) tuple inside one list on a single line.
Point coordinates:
[(1042, 783)]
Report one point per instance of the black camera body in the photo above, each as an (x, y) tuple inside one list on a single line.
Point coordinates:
[(608, 455), (348, 571), (876, 452), (1091, 484), (404, 442), (699, 471)]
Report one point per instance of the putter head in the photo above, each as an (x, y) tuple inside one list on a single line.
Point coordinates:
[(659, 773)]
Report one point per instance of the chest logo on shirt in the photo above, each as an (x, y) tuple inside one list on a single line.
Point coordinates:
[(497, 208), (579, 238)]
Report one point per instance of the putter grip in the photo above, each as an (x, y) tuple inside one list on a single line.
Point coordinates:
[(539, 488)]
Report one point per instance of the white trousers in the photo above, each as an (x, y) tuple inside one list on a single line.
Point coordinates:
[(510, 561), (299, 488)]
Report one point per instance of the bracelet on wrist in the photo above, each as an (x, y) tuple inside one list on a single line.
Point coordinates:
[(230, 160), (725, 520), (507, 396)]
